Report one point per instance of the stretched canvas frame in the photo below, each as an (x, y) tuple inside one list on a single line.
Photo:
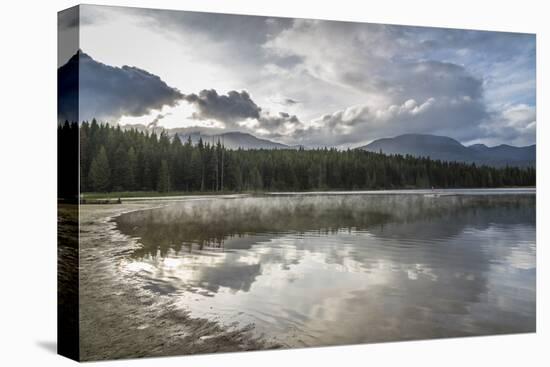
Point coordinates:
[(261, 230)]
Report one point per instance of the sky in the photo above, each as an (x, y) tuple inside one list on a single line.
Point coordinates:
[(300, 81)]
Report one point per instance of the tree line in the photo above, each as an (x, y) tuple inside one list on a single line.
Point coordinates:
[(113, 159)]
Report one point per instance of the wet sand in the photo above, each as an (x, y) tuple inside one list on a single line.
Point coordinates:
[(119, 319)]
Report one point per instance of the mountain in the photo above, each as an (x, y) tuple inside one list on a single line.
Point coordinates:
[(67, 89), (448, 149), (90, 89), (234, 140), (505, 152), (182, 131), (231, 140)]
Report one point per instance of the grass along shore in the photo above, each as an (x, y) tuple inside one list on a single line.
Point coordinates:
[(153, 194), (157, 194)]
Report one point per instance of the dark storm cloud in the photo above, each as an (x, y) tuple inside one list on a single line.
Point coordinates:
[(230, 108), (235, 107), (274, 123), (108, 93), (157, 119)]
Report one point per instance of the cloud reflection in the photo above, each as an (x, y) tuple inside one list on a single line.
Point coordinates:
[(345, 269)]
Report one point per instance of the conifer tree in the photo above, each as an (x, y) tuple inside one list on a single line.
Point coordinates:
[(132, 169), (121, 175), (163, 184), (119, 159), (100, 172)]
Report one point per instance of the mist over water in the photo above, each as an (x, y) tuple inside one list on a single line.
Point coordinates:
[(308, 270)]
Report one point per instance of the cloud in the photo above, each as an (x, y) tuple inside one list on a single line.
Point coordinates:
[(68, 18), (237, 111), (67, 34), (238, 37), (108, 93), (515, 124), (229, 109), (344, 82), (157, 119), (289, 102), (410, 80), (360, 124), (69, 25), (284, 101), (277, 125), (384, 63)]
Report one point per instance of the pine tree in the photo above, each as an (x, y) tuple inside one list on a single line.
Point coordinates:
[(84, 157), (132, 169), (114, 158), (120, 176), (100, 172), (163, 184), (147, 175), (256, 179), (202, 162), (237, 177)]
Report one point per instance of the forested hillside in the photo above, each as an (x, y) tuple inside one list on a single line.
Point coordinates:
[(116, 160), (448, 149)]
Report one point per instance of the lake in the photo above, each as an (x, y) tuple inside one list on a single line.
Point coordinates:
[(341, 268)]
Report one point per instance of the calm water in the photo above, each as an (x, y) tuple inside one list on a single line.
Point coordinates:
[(308, 270)]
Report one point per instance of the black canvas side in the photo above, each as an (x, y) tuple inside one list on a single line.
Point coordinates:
[(68, 187)]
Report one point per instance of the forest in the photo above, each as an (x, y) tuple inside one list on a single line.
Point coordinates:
[(113, 159)]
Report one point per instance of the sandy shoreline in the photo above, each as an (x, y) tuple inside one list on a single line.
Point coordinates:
[(120, 319)]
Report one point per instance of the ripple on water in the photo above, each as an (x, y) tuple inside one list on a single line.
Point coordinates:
[(336, 269)]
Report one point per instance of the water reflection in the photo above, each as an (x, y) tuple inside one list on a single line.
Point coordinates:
[(320, 270)]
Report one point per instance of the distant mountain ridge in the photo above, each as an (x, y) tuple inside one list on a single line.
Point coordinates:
[(230, 139), (448, 149), (234, 140), (419, 145)]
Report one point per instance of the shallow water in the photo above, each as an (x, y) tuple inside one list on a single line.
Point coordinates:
[(324, 269)]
